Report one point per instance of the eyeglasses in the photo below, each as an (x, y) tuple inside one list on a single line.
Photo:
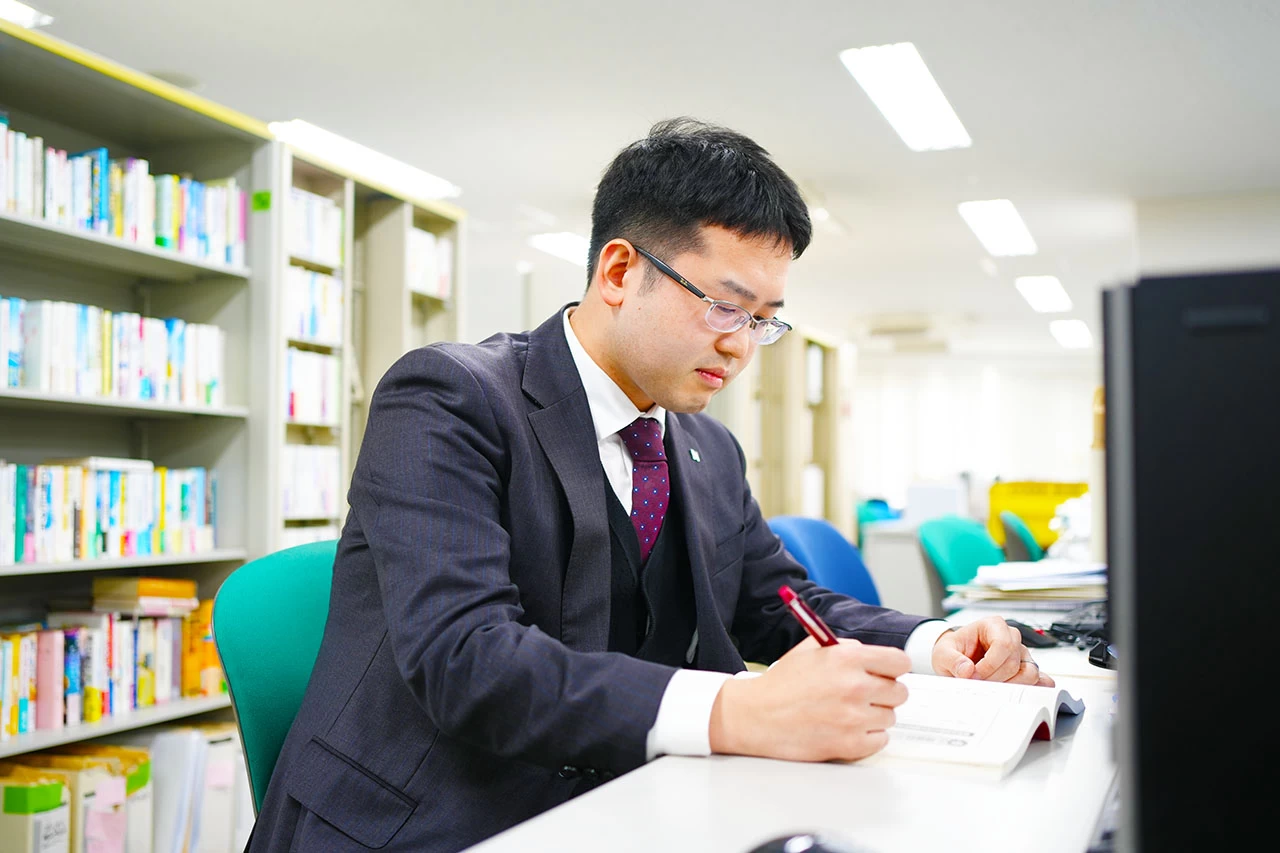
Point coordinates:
[(725, 317)]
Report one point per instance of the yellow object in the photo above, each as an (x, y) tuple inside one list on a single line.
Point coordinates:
[(1035, 502)]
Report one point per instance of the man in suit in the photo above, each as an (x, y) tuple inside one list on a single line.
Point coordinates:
[(553, 567)]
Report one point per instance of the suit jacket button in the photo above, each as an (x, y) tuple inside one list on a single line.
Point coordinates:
[(569, 772), (591, 773)]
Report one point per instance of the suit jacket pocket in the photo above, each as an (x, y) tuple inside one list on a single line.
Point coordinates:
[(348, 796), (728, 552)]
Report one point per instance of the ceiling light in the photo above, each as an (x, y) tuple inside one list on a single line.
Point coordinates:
[(23, 15), (819, 214), (306, 138), (564, 245), (900, 85), (1043, 293), (1072, 334), (998, 225)]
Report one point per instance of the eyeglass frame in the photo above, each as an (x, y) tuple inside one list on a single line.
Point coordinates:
[(751, 323)]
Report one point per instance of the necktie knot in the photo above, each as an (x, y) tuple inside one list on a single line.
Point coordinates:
[(643, 438)]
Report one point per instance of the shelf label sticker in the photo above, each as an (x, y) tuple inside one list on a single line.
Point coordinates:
[(261, 201)]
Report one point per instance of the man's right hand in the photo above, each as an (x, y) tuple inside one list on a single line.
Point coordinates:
[(815, 704)]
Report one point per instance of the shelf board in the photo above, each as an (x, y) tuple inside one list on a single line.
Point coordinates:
[(135, 719), (310, 519), (220, 555), (314, 265), (86, 247), (309, 425), (316, 346), (22, 398)]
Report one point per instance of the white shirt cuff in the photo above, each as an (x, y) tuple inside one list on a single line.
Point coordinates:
[(919, 645), (683, 726)]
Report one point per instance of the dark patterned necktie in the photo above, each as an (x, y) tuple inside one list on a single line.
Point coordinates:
[(650, 485)]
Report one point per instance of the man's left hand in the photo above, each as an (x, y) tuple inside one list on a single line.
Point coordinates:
[(988, 650)]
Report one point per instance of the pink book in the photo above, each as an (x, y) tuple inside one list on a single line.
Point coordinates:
[(49, 679)]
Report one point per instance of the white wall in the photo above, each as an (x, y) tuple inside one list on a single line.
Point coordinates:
[(929, 418), (1202, 233)]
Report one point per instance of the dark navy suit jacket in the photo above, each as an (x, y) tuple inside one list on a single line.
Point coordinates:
[(463, 673)]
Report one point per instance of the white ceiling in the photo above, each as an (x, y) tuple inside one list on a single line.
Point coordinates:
[(1075, 108)]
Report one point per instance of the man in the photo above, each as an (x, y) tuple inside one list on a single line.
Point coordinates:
[(553, 566)]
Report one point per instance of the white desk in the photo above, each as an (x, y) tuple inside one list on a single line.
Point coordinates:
[(724, 804)]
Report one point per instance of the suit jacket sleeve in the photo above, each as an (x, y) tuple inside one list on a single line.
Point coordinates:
[(765, 630), (428, 489)]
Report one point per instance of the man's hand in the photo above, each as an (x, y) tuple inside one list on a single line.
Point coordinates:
[(988, 650), (816, 703)]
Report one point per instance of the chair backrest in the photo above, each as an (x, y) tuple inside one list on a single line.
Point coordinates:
[(268, 620), (1019, 542), (956, 547), (831, 560)]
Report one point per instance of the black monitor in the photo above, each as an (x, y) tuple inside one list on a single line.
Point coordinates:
[(1192, 375)]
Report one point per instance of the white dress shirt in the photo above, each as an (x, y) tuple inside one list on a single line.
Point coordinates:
[(684, 715)]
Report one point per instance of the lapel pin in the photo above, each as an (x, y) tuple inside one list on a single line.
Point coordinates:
[(694, 455)]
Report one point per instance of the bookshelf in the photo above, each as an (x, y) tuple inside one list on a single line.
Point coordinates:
[(77, 102), (407, 261), (791, 411)]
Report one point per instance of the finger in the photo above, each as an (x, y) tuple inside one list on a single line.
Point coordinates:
[(1028, 672), (878, 660), (880, 719), (1003, 656), (948, 661), (1043, 680), (887, 692)]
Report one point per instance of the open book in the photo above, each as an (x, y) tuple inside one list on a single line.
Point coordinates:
[(981, 724)]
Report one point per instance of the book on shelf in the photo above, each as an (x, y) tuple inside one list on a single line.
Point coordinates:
[(119, 197), (130, 588), (980, 726)]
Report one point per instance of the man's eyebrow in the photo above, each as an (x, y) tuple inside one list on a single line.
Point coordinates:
[(746, 293)]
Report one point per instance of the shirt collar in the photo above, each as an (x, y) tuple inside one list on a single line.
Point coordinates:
[(611, 409)]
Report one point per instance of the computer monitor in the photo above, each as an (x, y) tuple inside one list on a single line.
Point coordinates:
[(1192, 374)]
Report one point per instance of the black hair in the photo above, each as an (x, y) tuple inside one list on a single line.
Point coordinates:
[(687, 174)]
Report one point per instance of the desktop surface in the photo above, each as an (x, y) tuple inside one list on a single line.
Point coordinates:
[(727, 804)]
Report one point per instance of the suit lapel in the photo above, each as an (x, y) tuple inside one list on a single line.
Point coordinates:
[(566, 433)]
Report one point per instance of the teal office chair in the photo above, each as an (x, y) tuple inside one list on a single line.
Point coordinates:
[(830, 559), (955, 547), (1019, 542), (268, 620)]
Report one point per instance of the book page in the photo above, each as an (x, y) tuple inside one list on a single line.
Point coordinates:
[(979, 723)]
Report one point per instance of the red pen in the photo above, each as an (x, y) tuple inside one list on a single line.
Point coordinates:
[(805, 616)]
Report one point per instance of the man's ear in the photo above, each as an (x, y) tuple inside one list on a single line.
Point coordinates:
[(617, 257)]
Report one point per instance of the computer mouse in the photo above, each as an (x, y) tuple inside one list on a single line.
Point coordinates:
[(1033, 638), (809, 842)]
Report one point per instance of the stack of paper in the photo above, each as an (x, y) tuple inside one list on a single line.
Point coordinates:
[(1064, 583)]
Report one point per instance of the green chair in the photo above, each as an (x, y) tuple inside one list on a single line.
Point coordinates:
[(268, 620), (1019, 542), (955, 547)]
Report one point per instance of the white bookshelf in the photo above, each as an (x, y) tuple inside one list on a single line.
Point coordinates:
[(78, 101), (397, 307)]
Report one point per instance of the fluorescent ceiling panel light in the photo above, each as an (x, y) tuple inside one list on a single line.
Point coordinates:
[(1043, 293), (23, 15), (999, 227), (372, 165), (1072, 334), (564, 245), (900, 85)]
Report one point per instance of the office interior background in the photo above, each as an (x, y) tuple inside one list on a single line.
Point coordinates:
[(948, 346)]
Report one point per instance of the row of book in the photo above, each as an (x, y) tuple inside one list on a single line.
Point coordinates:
[(84, 350), (313, 387), (311, 476), (314, 228), (430, 263), (120, 198), (166, 789), (100, 507), (142, 642), (312, 306)]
